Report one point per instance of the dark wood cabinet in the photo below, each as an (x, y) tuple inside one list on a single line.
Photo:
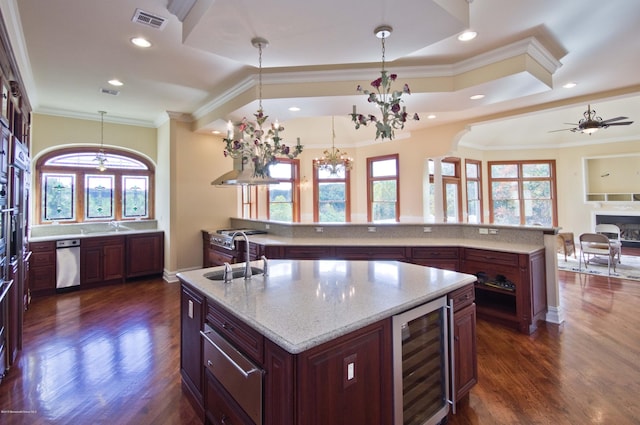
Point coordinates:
[(370, 252), (191, 323), (145, 254), (102, 260), (308, 252), (511, 287), (465, 365), (42, 268), (245, 338), (445, 257), (351, 379), (281, 396)]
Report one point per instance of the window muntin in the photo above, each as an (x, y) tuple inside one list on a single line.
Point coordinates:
[(99, 196), (283, 198), (473, 175), (57, 196), (523, 193), (331, 196), (451, 189), (135, 202), (383, 189), (70, 189), (88, 160), (249, 201)]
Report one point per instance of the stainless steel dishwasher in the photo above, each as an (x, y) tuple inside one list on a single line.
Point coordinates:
[(67, 264)]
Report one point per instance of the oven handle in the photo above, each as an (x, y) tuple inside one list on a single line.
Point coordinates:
[(244, 373)]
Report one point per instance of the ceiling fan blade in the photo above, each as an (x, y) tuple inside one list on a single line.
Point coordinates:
[(564, 129), (571, 123), (620, 123), (614, 119)]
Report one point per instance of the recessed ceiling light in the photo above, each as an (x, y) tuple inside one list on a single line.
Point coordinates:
[(476, 97), (116, 82), (216, 132), (570, 85), (141, 42), (467, 35), (294, 109), (431, 117)]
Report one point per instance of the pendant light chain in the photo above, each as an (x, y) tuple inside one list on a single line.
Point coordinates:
[(260, 76), (383, 50)]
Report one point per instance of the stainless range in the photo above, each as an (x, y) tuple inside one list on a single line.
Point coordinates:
[(224, 238)]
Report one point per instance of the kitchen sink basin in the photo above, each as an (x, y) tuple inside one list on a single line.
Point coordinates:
[(235, 273)]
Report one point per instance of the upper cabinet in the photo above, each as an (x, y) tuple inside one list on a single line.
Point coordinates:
[(612, 178)]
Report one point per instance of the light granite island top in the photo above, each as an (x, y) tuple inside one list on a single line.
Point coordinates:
[(303, 303)]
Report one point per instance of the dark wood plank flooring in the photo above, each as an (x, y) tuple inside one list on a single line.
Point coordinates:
[(111, 356)]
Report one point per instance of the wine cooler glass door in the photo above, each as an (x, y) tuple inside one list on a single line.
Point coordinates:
[(421, 361)]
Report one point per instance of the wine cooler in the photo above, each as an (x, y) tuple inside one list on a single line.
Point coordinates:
[(421, 364)]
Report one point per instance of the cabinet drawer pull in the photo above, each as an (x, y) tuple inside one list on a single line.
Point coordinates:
[(227, 326), (239, 368)]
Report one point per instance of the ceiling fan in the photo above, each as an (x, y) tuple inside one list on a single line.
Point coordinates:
[(592, 123)]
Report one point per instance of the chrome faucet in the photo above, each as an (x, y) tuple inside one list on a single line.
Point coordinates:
[(247, 264)]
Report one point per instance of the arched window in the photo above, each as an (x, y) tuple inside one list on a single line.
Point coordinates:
[(71, 189)]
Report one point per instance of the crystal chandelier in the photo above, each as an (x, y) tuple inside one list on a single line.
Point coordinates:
[(393, 116), (101, 157), (248, 140), (335, 160)]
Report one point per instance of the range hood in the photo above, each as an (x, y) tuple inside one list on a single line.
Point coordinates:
[(242, 176)]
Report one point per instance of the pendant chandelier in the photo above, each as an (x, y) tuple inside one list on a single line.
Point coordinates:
[(333, 161), (393, 116), (101, 157), (247, 140)]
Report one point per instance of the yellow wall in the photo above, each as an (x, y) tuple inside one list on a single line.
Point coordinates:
[(48, 131), (197, 204)]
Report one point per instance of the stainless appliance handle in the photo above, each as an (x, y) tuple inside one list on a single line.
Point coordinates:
[(452, 356), (244, 373)]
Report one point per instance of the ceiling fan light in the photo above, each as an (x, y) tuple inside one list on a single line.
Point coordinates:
[(590, 130)]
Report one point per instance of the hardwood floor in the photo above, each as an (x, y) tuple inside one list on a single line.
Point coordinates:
[(111, 355)]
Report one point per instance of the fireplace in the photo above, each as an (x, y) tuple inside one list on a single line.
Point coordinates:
[(629, 226)]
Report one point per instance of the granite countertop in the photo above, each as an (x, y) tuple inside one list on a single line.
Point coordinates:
[(56, 232), (515, 247), (304, 303), (84, 235)]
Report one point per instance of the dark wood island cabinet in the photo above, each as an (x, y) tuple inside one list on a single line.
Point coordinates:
[(313, 385)]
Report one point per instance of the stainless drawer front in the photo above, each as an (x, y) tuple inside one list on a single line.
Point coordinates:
[(240, 377)]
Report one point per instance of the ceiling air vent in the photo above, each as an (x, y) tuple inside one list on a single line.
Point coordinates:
[(109, 91), (146, 18)]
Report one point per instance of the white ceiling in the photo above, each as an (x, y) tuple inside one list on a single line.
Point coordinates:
[(205, 67)]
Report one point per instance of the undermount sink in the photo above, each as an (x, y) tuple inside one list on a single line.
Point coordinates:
[(235, 273), (99, 228)]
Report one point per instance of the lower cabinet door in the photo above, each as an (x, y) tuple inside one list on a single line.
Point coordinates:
[(464, 334)]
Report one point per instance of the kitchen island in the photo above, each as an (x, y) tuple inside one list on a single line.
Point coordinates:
[(319, 330)]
